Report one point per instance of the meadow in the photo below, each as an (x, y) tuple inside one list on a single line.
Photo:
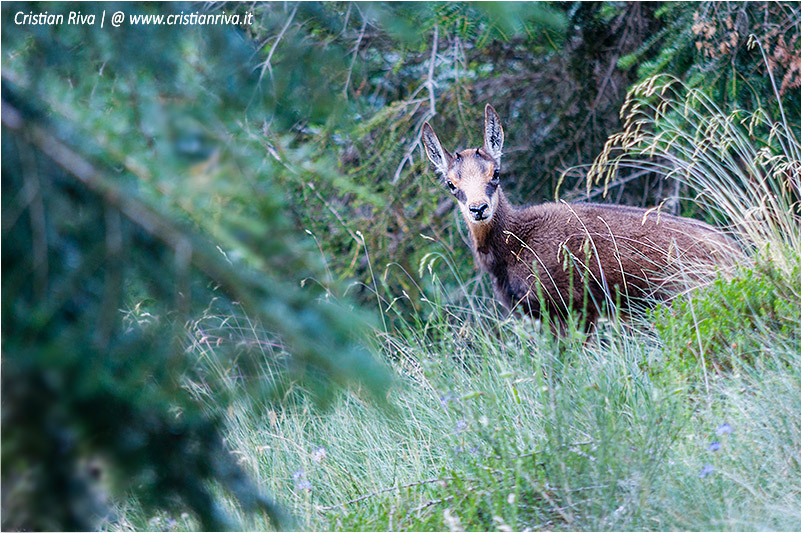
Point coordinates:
[(684, 417), (494, 425)]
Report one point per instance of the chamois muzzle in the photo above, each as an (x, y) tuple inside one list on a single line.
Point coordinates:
[(478, 211)]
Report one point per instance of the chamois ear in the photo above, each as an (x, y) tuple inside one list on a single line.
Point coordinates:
[(494, 135), (439, 157)]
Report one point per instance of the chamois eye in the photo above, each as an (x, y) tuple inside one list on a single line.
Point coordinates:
[(451, 186), (495, 175)]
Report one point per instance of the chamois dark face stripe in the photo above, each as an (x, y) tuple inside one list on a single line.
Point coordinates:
[(490, 189), (460, 194)]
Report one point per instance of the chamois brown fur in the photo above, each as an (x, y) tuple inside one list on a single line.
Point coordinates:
[(559, 257)]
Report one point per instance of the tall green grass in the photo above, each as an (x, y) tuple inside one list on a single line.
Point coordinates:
[(743, 166), (495, 425)]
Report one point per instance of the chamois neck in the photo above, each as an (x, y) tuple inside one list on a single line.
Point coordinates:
[(487, 236)]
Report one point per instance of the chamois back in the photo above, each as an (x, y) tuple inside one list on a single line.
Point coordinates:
[(589, 257)]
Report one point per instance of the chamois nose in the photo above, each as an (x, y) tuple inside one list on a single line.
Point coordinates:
[(478, 210)]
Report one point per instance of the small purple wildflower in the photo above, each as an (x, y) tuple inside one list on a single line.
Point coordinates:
[(474, 450), (448, 398), (707, 469), (714, 446), (319, 454), (300, 480), (724, 429), (461, 425)]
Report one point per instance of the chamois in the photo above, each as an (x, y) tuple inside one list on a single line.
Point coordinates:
[(559, 257)]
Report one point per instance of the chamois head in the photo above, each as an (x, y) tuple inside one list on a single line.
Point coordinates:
[(471, 175)]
